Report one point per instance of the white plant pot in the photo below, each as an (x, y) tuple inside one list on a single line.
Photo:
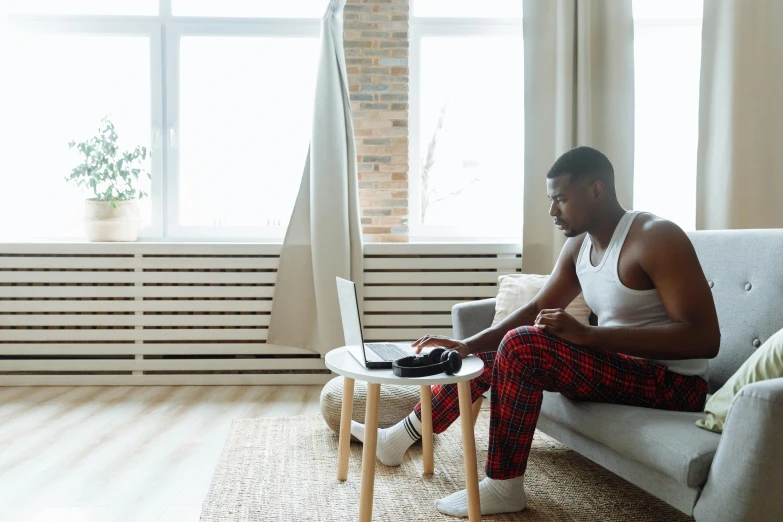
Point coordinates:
[(103, 222)]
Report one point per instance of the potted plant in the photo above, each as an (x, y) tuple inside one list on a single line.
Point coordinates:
[(113, 214)]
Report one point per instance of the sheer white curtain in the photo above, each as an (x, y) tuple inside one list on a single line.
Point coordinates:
[(740, 172), (579, 90), (324, 235)]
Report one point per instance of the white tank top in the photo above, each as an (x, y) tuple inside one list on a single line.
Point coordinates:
[(617, 305)]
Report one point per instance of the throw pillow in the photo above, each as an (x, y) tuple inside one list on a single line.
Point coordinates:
[(517, 290), (765, 363)]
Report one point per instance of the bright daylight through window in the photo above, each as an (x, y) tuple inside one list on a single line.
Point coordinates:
[(667, 54), (467, 119), (63, 84), (224, 113), (226, 116)]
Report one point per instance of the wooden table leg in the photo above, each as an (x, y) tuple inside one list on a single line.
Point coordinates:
[(426, 429), (369, 454), (477, 409), (344, 444), (469, 449)]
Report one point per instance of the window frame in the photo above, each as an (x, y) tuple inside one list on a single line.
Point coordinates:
[(164, 31), (426, 27)]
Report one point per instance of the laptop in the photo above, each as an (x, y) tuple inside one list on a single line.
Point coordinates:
[(370, 355)]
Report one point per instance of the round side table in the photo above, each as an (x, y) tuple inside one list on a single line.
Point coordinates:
[(343, 363)]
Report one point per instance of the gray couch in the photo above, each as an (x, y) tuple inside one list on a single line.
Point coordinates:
[(736, 476)]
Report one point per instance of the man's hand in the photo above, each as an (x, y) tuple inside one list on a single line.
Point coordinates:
[(563, 325), (441, 341)]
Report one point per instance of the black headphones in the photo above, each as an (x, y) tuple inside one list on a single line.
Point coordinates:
[(437, 361)]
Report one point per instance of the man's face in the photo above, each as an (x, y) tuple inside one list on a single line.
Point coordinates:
[(571, 204)]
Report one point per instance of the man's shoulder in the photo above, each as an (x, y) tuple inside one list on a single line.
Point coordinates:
[(653, 232)]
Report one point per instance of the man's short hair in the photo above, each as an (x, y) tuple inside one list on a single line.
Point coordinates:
[(584, 163)]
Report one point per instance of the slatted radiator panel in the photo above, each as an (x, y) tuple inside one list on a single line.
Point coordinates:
[(410, 288), (198, 313), (135, 313)]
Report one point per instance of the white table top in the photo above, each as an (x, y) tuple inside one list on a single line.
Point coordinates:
[(341, 361)]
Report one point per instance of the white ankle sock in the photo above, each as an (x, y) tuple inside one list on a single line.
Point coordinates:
[(393, 442), (497, 496)]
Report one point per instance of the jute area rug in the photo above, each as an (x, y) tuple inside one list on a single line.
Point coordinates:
[(286, 469)]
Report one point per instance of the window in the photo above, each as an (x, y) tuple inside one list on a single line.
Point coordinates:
[(80, 7), (244, 135), (52, 93), (667, 55), (467, 9), (251, 8), (221, 94), (466, 120)]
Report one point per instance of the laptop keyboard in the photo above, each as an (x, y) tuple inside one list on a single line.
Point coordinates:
[(387, 351)]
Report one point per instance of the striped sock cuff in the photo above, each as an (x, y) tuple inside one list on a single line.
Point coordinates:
[(411, 429)]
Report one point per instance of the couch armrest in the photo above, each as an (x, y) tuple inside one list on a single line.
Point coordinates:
[(470, 318), (746, 478)]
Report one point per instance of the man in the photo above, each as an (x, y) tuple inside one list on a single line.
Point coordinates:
[(657, 326)]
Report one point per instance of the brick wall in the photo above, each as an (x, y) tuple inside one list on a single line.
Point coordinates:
[(376, 54)]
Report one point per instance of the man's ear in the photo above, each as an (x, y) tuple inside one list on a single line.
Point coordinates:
[(598, 190)]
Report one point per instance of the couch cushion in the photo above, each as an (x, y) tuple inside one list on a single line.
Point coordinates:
[(745, 273), (666, 441)]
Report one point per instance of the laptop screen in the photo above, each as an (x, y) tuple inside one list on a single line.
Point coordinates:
[(349, 311)]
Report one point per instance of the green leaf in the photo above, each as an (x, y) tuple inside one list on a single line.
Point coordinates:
[(105, 164)]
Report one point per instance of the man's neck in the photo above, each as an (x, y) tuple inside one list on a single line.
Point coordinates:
[(601, 234)]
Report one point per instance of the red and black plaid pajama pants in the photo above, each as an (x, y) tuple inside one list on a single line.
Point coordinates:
[(529, 361)]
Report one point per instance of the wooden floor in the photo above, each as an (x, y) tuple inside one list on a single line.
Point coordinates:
[(125, 453)]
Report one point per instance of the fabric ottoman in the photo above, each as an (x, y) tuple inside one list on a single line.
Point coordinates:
[(396, 403)]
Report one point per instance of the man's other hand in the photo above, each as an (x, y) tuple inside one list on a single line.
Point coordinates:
[(558, 322)]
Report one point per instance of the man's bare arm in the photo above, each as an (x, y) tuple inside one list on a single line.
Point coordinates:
[(670, 262), (558, 292)]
